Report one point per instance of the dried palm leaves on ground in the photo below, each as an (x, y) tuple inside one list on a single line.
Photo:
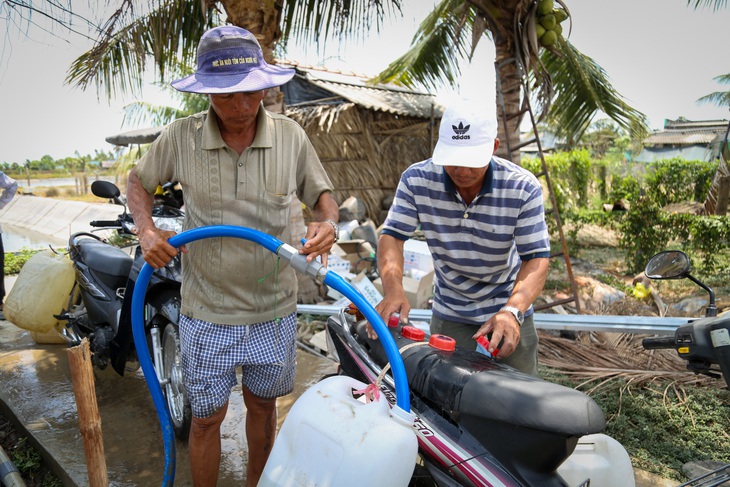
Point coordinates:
[(594, 358)]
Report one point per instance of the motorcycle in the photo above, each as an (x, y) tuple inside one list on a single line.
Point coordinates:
[(704, 343), (479, 422), (99, 304)]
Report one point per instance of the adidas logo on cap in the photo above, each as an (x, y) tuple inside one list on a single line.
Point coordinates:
[(460, 132)]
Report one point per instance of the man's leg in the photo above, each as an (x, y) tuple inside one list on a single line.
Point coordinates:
[(205, 448), (260, 433)]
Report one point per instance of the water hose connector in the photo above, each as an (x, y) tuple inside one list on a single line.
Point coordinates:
[(299, 263)]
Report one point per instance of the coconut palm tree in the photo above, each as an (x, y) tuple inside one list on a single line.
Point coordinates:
[(168, 34), (564, 85), (555, 71)]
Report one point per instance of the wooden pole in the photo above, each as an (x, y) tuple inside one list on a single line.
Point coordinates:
[(82, 375)]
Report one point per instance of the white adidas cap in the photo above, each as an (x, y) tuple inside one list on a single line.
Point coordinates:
[(466, 135)]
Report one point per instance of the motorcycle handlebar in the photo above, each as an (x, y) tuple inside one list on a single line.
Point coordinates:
[(105, 223), (657, 343)]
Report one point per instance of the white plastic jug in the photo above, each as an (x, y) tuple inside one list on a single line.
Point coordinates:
[(600, 458), (329, 438), (40, 291)]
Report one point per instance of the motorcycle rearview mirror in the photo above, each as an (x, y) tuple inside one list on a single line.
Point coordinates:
[(108, 190), (670, 264), (675, 264)]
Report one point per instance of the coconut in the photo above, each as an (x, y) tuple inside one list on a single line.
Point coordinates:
[(549, 38), (560, 14), (545, 6), (549, 21)]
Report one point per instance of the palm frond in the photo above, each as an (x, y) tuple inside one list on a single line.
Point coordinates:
[(314, 21), (713, 4), (582, 88), (169, 34), (719, 98), (443, 38), (142, 113)]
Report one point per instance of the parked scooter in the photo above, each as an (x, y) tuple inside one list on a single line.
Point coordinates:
[(479, 422), (704, 343), (99, 305)]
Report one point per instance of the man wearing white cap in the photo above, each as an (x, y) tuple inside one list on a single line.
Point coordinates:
[(238, 165), (484, 223)]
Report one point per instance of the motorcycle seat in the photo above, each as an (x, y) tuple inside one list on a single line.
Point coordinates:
[(105, 258), (467, 383)]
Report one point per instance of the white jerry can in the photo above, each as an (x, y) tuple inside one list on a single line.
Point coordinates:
[(41, 290), (329, 438), (601, 459)]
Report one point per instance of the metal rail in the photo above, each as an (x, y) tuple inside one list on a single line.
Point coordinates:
[(652, 325)]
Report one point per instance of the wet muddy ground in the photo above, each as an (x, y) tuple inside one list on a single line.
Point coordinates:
[(37, 392)]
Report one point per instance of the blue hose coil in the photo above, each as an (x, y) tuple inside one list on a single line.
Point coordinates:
[(273, 244)]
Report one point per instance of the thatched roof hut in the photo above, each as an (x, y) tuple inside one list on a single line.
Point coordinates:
[(365, 134)]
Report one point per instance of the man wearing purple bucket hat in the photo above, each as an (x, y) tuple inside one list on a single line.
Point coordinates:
[(238, 164)]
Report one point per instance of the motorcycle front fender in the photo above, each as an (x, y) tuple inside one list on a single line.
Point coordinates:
[(164, 298)]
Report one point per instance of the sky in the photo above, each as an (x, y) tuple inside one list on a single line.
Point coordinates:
[(660, 55)]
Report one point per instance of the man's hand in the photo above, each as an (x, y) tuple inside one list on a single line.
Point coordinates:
[(156, 250), (319, 241), (505, 329), (393, 302)]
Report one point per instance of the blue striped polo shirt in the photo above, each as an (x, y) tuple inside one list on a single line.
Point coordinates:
[(477, 249)]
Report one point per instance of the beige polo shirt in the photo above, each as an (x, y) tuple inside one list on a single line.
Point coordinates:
[(230, 280)]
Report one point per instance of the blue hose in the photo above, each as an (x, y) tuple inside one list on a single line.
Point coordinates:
[(298, 262)]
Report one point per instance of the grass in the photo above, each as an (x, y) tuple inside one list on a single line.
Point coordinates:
[(26, 458), (662, 425)]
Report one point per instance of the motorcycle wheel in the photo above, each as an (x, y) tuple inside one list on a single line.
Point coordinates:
[(177, 397)]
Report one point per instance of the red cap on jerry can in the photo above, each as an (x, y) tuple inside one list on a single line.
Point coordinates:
[(412, 333), (393, 321), (442, 342)]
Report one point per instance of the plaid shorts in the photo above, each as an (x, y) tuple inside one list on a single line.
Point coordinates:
[(211, 353)]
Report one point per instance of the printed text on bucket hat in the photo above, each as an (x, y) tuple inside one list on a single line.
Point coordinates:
[(466, 136), (230, 60)]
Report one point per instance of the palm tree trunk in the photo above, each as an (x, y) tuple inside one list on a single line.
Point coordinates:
[(262, 18), (509, 98)]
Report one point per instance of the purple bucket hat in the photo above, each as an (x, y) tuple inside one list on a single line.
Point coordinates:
[(230, 60)]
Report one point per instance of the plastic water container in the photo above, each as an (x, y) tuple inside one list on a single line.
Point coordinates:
[(40, 291), (329, 438), (600, 458)]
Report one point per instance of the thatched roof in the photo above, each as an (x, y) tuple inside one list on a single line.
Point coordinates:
[(318, 86), (364, 152), (365, 134)]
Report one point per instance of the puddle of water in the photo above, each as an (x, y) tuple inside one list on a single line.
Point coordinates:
[(16, 239)]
